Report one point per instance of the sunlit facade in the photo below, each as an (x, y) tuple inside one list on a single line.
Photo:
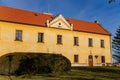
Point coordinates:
[(83, 43)]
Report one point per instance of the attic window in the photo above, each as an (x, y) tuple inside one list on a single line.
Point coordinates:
[(59, 24), (36, 14)]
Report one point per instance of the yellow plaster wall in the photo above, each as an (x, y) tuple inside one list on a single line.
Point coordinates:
[(30, 44)]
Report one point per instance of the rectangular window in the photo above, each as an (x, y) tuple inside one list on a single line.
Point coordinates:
[(102, 44), (76, 41), (90, 42), (18, 35), (76, 58), (103, 59), (40, 37), (59, 39)]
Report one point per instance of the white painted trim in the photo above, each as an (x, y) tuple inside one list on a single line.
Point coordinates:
[(60, 17), (71, 25), (79, 65), (48, 23), (87, 64)]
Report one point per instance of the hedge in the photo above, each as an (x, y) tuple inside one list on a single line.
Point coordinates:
[(34, 63)]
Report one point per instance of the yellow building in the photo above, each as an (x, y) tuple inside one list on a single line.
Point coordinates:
[(83, 43)]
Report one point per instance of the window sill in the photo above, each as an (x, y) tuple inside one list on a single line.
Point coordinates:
[(19, 40), (90, 46), (102, 47), (76, 62), (76, 45), (59, 43), (40, 42)]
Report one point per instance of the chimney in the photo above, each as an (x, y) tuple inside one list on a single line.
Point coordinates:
[(96, 21)]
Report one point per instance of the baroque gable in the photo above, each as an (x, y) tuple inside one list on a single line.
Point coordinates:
[(60, 22)]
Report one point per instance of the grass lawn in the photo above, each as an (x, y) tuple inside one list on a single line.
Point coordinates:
[(76, 73)]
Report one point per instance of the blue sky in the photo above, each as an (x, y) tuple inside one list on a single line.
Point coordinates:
[(88, 10)]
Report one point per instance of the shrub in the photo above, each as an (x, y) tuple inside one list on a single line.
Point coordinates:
[(35, 63), (60, 64)]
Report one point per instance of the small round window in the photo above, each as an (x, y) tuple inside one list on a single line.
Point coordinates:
[(59, 24)]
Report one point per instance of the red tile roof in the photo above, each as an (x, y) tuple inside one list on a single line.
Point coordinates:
[(34, 18)]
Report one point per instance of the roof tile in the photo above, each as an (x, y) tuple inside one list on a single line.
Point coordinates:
[(34, 18)]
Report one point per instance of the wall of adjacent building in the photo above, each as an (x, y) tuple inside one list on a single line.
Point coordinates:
[(29, 42)]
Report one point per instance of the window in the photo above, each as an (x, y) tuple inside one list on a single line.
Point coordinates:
[(18, 35), (103, 59), (90, 42), (76, 41), (59, 39), (76, 58), (59, 24), (40, 37), (102, 44)]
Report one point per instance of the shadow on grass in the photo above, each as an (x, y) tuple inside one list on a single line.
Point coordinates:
[(81, 79), (99, 69)]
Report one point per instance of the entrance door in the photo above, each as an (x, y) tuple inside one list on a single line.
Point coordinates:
[(90, 60)]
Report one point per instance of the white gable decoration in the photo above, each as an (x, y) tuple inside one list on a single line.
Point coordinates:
[(59, 22)]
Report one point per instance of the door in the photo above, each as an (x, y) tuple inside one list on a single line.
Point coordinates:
[(90, 60)]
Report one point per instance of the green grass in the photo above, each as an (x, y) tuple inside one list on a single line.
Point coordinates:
[(76, 73)]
